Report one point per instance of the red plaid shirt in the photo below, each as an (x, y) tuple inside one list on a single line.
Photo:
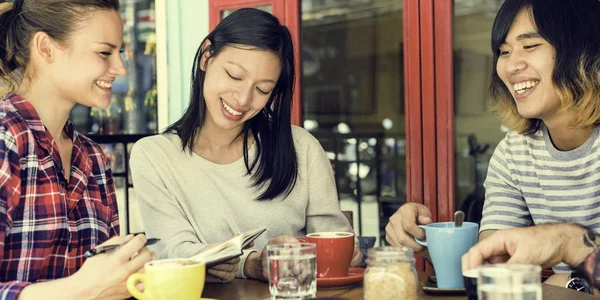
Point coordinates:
[(47, 223)]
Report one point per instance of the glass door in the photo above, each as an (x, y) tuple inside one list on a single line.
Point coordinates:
[(133, 111), (133, 107), (477, 130), (353, 102), (349, 95)]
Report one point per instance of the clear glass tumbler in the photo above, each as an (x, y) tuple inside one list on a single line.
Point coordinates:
[(292, 270), (509, 282)]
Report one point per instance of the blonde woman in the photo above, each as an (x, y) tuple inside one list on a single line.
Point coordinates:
[(57, 198)]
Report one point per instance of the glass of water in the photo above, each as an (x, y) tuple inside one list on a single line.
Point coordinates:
[(292, 270), (509, 282)]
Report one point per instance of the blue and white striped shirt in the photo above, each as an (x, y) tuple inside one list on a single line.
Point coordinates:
[(530, 182)]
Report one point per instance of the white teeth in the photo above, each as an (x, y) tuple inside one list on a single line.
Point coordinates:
[(521, 87), (230, 110), (103, 84)]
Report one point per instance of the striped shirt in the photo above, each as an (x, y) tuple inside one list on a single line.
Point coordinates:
[(47, 223), (530, 182)]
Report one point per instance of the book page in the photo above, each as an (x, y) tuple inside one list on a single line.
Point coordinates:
[(220, 252), (250, 236)]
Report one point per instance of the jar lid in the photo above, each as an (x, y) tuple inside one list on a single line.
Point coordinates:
[(391, 253)]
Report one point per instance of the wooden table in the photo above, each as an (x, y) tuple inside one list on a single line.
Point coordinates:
[(252, 289)]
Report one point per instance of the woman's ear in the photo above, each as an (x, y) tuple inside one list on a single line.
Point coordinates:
[(206, 53), (43, 47)]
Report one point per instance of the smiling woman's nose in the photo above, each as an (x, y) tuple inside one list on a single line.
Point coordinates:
[(243, 96), (118, 68)]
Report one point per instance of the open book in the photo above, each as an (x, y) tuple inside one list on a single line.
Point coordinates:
[(229, 249)]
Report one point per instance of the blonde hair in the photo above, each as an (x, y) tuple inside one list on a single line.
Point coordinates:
[(20, 20), (585, 104)]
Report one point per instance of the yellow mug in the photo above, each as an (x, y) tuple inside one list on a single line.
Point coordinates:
[(177, 278)]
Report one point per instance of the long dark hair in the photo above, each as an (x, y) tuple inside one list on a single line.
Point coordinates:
[(275, 162)]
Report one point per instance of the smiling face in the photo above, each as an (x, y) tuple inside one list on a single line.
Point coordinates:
[(84, 70), (238, 84), (525, 65)]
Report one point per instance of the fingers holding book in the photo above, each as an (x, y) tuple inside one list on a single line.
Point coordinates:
[(217, 253), (247, 246)]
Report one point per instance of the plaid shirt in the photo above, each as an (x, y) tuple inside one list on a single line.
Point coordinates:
[(47, 223)]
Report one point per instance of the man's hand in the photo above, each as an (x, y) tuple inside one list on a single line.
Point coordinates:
[(402, 228), (544, 245)]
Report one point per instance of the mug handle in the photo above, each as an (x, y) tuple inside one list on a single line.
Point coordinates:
[(132, 282), (421, 242)]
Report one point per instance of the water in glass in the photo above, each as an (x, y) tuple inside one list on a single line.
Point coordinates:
[(509, 282), (292, 271), (525, 292)]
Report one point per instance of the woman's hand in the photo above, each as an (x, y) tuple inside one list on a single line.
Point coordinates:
[(256, 265), (357, 256), (225, 271), (104, 276)]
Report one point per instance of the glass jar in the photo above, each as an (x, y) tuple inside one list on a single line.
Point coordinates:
[(390, 274)]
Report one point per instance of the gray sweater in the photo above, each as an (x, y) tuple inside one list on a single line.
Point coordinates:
[(189, 202)]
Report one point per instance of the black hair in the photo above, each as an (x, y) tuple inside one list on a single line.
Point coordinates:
[(275, 163)]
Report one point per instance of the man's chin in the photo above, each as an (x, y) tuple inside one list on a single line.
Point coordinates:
[(528, 114)]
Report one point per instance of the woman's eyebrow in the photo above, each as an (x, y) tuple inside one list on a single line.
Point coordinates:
[(112, 46)]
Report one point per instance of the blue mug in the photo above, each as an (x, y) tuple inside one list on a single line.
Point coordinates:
[(447, 244)]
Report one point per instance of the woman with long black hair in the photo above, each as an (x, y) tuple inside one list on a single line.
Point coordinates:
[(234, 162)]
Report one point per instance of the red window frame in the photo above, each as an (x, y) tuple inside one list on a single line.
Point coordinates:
[(429, 94)]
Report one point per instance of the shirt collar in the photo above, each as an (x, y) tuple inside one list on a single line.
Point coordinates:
[(45, 139), (33, 121)]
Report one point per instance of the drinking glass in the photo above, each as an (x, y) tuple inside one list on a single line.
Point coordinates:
[(292, 270), (509, 282)]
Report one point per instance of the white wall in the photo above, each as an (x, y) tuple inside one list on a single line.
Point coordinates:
[(185, 25), (181, 27)]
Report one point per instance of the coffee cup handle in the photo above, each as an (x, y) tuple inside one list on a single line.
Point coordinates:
[(421, 242), (132, 282)]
